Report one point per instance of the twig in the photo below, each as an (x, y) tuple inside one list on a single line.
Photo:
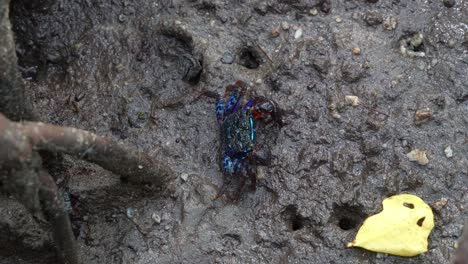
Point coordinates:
[(265, 53)]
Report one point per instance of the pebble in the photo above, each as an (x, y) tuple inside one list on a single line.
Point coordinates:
[(156, 218), (352, 100), (260, 175), (416, 40), (228, 58), (313, 12), (338, 19), (122, 18), (130, 212), (184, 176), (120, 67), (285, 25), (298, 33), (335, 115), (373, 18), (422, 116), (418, 156), (439, 204), (356, 51), (448, 152), (390, 23), (275, 32)]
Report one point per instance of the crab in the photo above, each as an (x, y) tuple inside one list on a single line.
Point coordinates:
[(239, 150)]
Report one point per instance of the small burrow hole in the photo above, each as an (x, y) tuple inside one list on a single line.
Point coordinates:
[(420, 221), (346, 223), (348, 217), (249, 58), (409, 205), (124, 180), (293, 220), (297, 223)]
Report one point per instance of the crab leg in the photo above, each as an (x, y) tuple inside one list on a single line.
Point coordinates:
[(220, 111), (231, 165), (235, 93)]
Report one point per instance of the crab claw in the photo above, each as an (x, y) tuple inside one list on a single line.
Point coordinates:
[(265, 109), (260, 155)]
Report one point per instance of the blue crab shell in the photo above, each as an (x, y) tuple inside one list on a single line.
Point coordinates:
[(238, 133)]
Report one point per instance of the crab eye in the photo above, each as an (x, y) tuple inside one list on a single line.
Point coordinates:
[(267, 107)]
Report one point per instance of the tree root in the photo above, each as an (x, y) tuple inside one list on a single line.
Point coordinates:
[(21, 171)]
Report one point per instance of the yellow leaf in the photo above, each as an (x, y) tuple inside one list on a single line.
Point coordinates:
[(401, 229)]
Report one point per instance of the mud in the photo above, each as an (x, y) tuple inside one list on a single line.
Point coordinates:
[(131, 71)]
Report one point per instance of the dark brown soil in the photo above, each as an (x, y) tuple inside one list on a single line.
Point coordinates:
[(131, 70)]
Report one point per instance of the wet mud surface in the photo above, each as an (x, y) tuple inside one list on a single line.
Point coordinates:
[(148, 73)]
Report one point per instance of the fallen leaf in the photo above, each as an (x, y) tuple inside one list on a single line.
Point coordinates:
[(401, 229)]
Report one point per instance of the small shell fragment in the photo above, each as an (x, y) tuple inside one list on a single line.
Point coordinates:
[(313, 12), (422, 116), (275, 32), (419, 156), (448, 152), (156, 218), (390, 23), (352, 100), (130, 212), (298, 33), (356, 51), (184, 176)]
